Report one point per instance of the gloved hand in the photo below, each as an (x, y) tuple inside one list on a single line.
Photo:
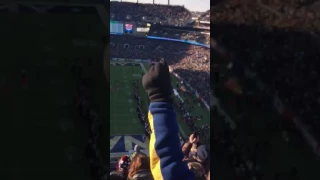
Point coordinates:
[(157, 82)]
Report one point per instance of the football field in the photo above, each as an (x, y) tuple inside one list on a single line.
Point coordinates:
[(126, 130), (123, 118)]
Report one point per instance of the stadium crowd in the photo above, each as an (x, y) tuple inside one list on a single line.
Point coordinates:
[(154, 13), (205, 16), (189, 61), (277, 40)]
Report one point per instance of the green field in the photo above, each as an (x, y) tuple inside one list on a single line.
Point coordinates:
[(123, 117), (41, 135), (196, 111)]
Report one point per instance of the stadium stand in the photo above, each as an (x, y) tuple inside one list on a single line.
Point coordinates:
[(197, 58), (272, 48), (205, 16), (189, 61), (154, 13)]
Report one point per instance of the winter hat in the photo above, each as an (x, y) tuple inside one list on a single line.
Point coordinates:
[(124, 163)]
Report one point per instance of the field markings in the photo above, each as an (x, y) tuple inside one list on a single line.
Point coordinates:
[(135, 121), (126, 121)]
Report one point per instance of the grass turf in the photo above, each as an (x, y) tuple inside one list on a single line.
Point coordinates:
[(196, 111), (123, 117), (123, 121)]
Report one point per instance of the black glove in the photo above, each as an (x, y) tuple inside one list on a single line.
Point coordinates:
[(157, 83)]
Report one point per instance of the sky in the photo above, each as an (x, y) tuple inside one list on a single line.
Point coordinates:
[(192, 5)]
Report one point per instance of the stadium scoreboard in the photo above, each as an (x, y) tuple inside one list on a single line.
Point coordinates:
[(120, 28)]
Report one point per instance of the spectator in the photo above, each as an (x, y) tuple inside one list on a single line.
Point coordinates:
[(198, 150), (156, 13), (198, 170), (140, 168), (122, 167), (164, 140)]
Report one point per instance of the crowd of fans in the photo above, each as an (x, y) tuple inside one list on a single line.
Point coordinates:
[(154, 13), (184, 108), (191, 62), (86, 113), (141, 114), (136, 165), (284, 59), (205, 16), (197, 36)]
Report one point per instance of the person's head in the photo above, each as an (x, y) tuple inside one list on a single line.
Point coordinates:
[(198, 170), (124, 163), (194, 138), (139, 162), (136, 150), (199, 153)]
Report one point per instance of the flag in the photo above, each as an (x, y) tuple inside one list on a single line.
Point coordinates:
[(233, 85)]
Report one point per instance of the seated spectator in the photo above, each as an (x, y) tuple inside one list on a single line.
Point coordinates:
[(140, 168), (136, 150), (165, 149), (198, 170), (155, 13), (198, 150), (122, 167)]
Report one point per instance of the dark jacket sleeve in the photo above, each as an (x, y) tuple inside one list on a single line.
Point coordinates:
[(164, 149)]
